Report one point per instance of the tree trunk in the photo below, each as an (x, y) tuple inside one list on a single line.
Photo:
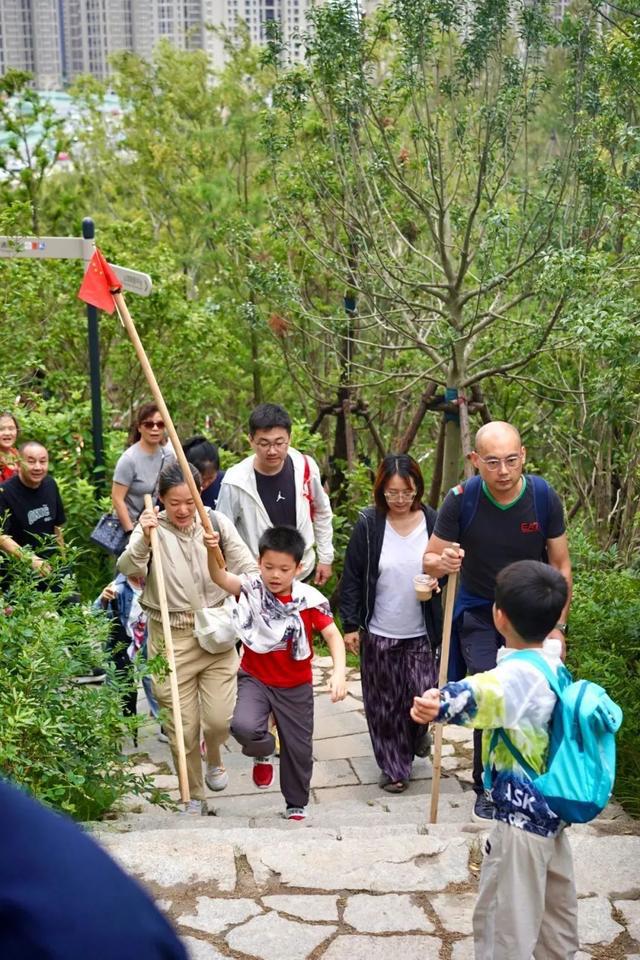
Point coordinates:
[(451, 457), (403, 443), (436, 479)]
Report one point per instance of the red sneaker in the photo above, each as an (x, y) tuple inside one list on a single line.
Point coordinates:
[(263, 772)]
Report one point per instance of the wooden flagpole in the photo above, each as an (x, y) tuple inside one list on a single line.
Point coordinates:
[(183, 780), (452, 584), (128, 324)]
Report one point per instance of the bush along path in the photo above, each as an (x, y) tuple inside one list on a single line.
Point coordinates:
[(366, 876)]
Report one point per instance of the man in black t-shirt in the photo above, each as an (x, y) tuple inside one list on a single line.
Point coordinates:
[(31, 508), (504, 528)]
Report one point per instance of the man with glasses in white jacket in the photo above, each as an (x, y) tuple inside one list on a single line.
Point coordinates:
[(277, 486)]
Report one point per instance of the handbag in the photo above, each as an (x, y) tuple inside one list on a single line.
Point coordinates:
[(213, 627), (109, 535)]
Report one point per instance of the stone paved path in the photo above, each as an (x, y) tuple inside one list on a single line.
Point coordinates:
[(365, 877)]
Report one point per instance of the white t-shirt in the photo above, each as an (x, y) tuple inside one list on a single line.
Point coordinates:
[(397, 612)]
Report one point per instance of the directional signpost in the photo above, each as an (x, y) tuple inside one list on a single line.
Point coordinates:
[(80, 248)]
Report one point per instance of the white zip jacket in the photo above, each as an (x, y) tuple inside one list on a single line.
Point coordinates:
[(240, 501)]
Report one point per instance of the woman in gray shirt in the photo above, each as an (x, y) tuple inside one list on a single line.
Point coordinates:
[(139, 467)]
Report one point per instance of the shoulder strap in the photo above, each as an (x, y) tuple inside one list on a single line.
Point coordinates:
[(470, 499), (540, 501), (537, 660), (306, 486), (500, 734)]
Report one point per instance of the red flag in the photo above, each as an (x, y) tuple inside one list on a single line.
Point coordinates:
[(100, 282)]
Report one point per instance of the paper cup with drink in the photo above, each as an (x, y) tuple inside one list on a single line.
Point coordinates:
[(424, 586)]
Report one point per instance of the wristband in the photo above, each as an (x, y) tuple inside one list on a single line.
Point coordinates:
[(563, 628)]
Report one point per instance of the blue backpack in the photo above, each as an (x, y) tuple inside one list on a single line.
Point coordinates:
[(581, 764)]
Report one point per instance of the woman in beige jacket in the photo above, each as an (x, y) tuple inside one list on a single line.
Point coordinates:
[(206, 681)]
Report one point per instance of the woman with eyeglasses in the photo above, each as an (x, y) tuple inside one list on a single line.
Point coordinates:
[(397, 634), (138, 469)]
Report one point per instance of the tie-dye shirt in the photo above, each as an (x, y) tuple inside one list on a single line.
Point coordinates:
[(514, 695)]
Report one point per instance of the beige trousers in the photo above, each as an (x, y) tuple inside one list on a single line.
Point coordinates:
[(207, 684), (527, 900)]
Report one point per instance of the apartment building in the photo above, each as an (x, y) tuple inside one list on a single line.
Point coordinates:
[(93, 30), (30, 39)]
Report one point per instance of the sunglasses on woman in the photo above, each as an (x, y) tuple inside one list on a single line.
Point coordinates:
[(150, 424)]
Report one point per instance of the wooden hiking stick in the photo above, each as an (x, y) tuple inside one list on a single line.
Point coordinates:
[(128, 324), (183, 780), (452, 584)]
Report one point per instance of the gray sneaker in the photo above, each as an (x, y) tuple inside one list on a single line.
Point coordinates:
[(216, 778), (195, 808)]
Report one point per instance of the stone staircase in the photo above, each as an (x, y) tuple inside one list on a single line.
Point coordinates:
[(365, 876)]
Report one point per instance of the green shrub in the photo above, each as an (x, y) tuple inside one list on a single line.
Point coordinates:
[(604, 646), (61, 740)]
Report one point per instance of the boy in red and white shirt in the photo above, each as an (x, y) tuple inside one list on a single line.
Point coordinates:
[(275, 617)]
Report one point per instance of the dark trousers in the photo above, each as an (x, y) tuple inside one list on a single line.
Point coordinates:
[(393, 673), (479, 642), (293, 709)]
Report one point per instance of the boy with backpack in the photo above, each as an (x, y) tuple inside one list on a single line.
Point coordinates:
[(275, 618), (549, 759)]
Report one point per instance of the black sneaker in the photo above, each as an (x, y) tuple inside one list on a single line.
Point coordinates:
[(483, 808), (423, 744), (95, 675)]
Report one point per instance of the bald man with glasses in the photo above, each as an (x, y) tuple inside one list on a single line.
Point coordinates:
[(498, 517)]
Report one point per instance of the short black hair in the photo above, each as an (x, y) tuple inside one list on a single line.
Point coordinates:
[(171, 476), (282, 539), (202, 454), (266, 416), (532, 595)]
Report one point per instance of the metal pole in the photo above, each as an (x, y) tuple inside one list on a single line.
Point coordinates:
[(88, 233)]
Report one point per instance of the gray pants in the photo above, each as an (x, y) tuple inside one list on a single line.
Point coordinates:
[(292, 708), (527, 899)]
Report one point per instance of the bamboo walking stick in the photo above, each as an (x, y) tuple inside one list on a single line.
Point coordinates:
[(452, 584), (128, 324), (183, 780)]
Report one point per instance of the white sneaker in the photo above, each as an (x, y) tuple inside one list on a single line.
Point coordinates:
[(195, 808), (216, 778)]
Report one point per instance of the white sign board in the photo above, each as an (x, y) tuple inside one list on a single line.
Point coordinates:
[(43, 248), (71, 248), (132, 281)]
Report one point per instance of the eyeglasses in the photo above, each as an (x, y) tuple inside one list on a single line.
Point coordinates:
[(399, 496), (150, 424), (272, 444), (510, 462)]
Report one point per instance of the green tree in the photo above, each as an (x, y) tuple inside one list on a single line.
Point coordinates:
[(32, 137), (413, 166)]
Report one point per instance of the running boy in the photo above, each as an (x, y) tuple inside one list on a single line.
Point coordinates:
[(275, 617), (527, 899)]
